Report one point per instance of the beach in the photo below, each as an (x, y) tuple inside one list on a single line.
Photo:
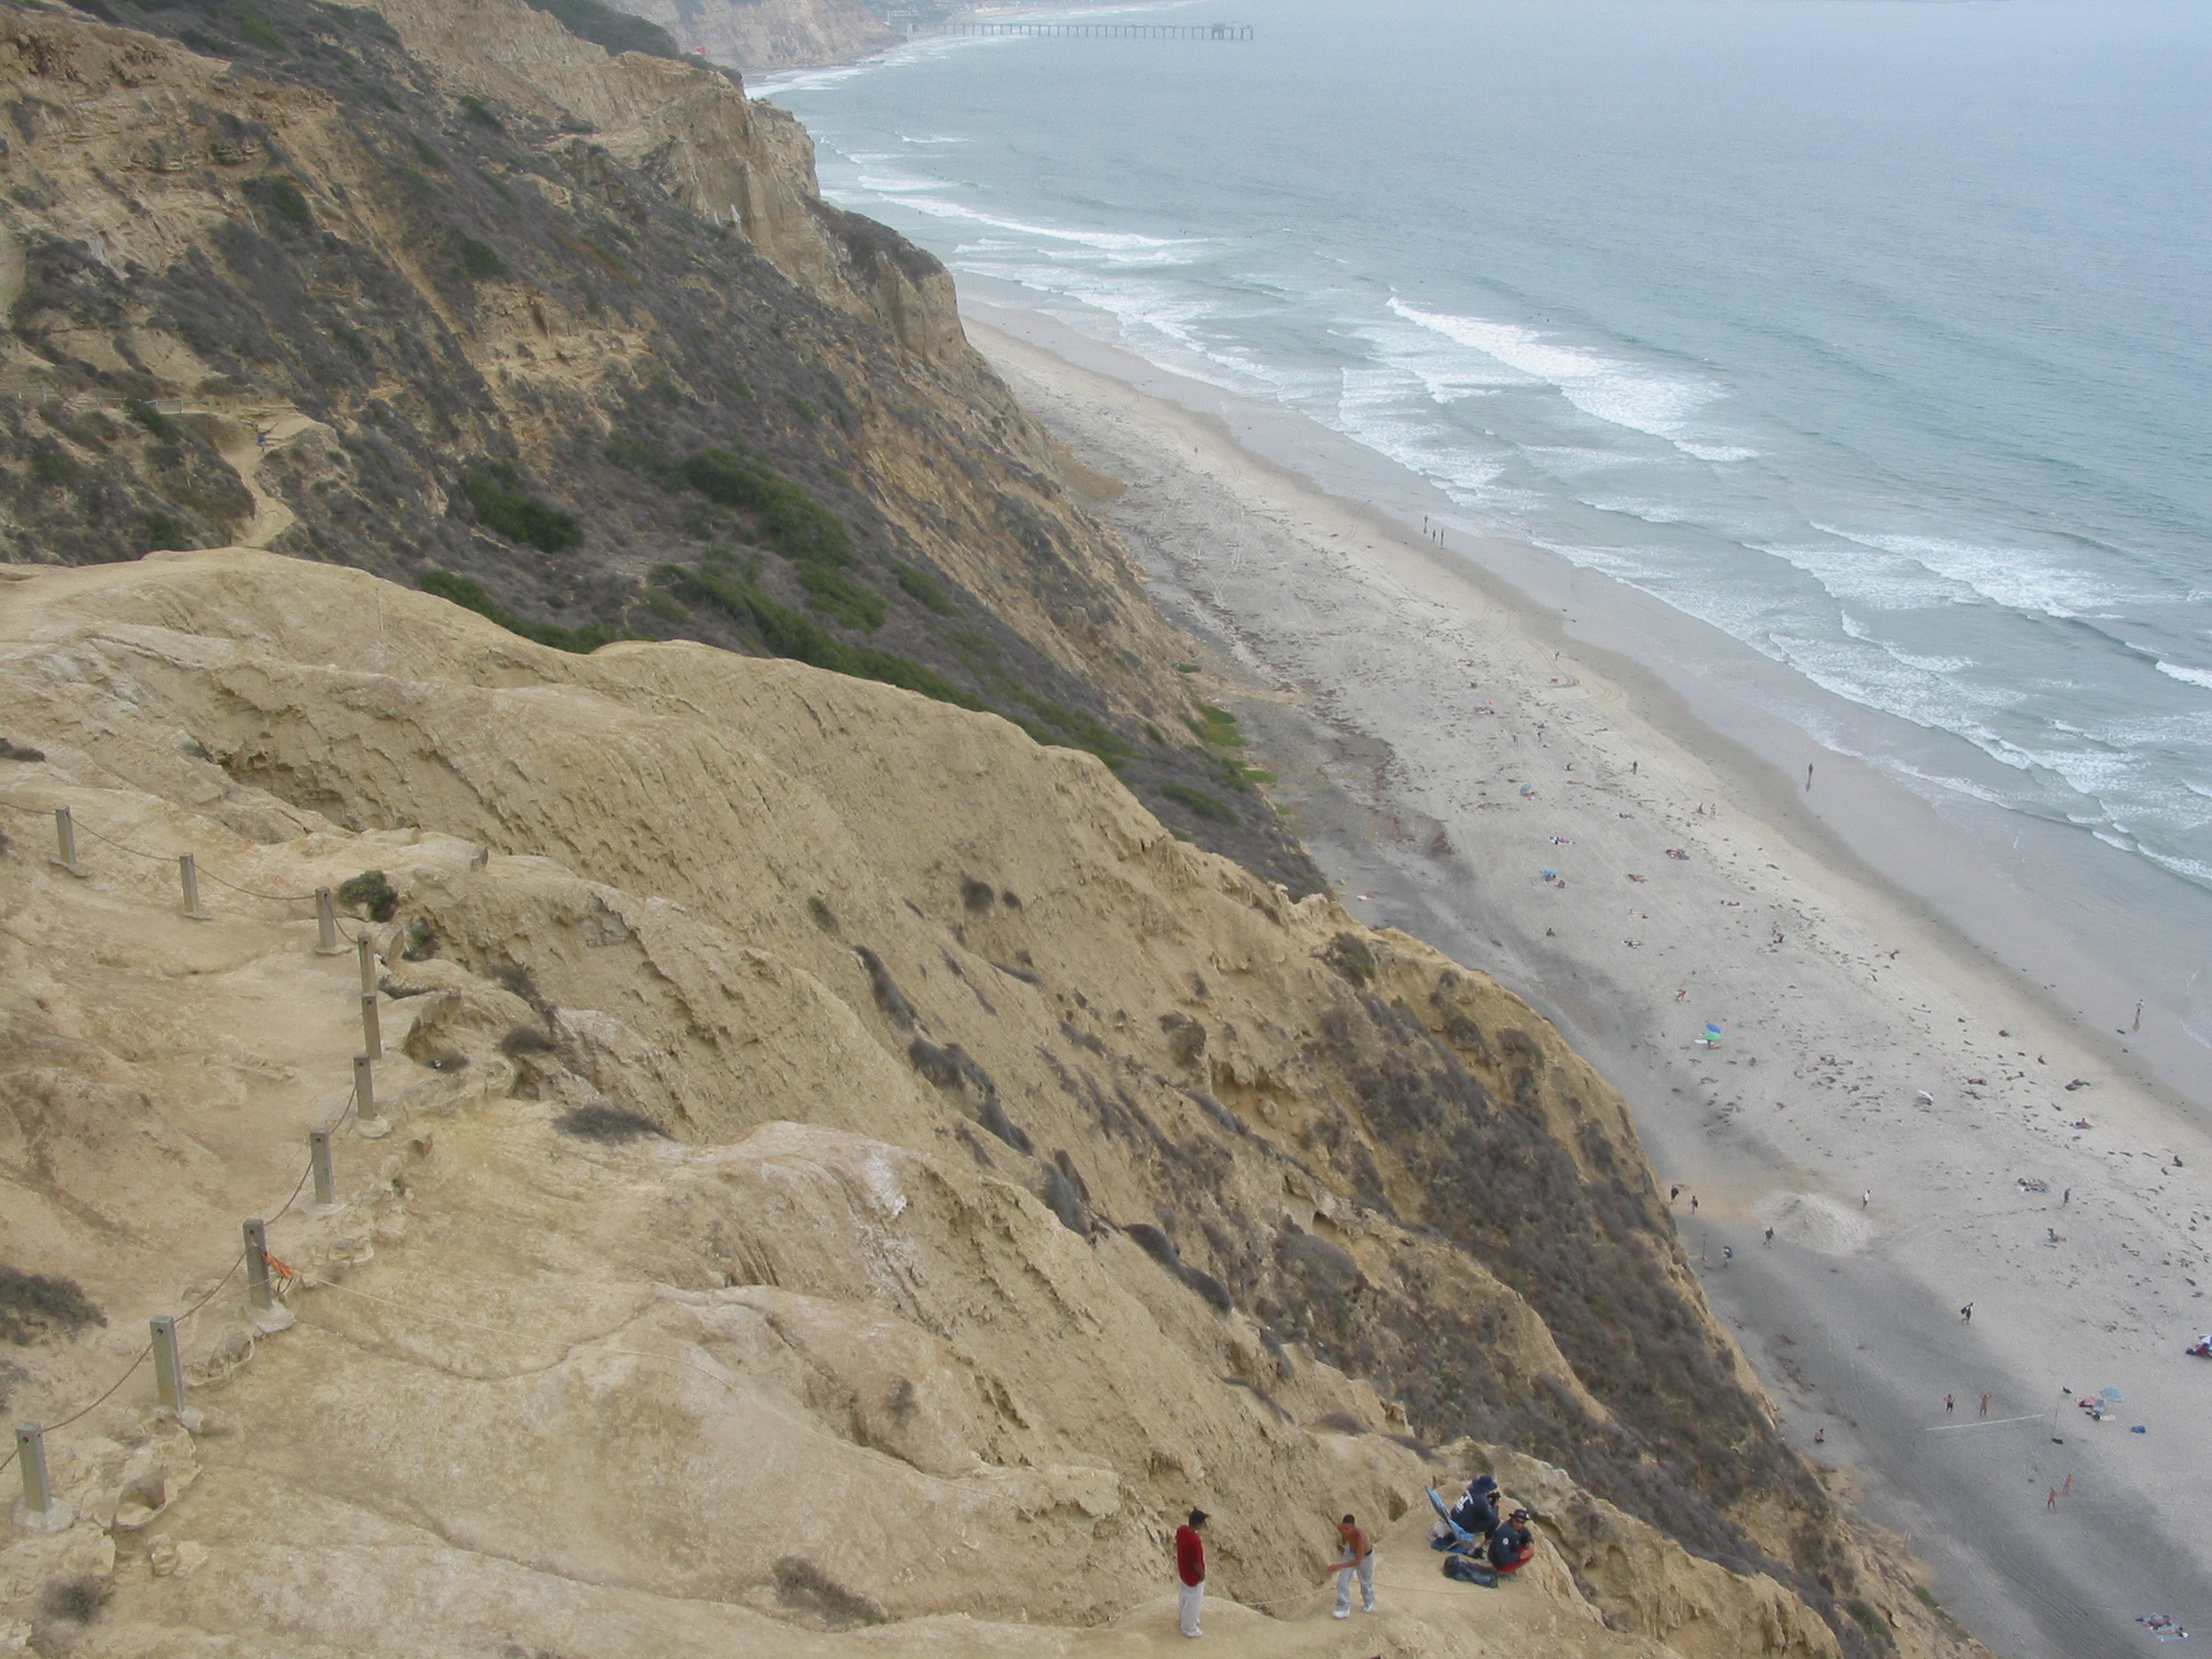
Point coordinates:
[(1808, 1048)]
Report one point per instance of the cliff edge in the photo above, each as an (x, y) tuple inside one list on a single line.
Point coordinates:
[(842, 1177)]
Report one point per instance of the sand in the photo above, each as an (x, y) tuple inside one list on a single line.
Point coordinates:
[(1880, 1089)]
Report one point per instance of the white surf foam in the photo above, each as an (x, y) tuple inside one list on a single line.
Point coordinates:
[(1607, 388)]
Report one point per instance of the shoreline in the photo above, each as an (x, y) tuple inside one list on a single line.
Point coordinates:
[(1707, 691), (1899, 1060)]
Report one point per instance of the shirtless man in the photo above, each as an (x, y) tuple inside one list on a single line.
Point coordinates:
[(1359, 1559)]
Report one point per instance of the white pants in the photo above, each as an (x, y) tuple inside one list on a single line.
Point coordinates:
[(1365, 1568), (1188, 1606)]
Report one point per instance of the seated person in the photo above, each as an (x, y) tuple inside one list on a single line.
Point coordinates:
[(1512, 1546), (1468, 1523)]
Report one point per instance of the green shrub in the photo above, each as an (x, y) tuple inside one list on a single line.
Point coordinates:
[(663, 604), (1199, 803), (53, 464), (637, 455), (370, 893), (470, 595), (153, 420), (475, 109), (165, 530), (33, 1306), (922, 588), (1186, 1038), (432, 157), (1216, 726), (480, 262), (495, 495), (256, 29), (839, 596), (290, 202), (1082, 731), (786, 633), (792, 521)]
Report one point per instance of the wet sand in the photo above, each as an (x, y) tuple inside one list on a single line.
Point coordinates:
[(1880, 1087)]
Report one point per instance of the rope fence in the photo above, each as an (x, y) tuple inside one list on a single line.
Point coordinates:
[(268, 1277)]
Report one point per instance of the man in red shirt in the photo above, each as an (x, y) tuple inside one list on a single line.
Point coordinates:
[(1190, 1568)]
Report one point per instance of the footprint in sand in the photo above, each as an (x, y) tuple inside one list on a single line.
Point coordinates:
[(1814, 1221)]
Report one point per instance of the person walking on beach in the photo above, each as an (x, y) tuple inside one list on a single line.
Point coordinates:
[(1865, 1198), (1190, 1568), (1808, 777), (1770, 1238), (1951, 1404), (1965, 1314), (1693, 1203), (1984, 1406), (1358, 1560)]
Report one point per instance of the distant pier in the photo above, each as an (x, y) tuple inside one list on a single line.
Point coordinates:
[(1098, 31)]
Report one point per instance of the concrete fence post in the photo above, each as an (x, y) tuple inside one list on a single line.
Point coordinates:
[(188, 878), (65, 842), (168, 1367), (318, 1161), (257, 1265), (364, 1089), (37, 1510), (325, 924), (368, 956), (372, 1027)]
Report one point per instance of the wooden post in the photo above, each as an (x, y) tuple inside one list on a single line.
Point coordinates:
[(188, 878), (65, 842), (325, 924), (257, 1265), (168, 1369)]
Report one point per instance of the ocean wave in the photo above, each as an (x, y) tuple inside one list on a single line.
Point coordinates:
[(2020, 578), (893, 183), (2187, 676), (1110, 242), (1607, 388)]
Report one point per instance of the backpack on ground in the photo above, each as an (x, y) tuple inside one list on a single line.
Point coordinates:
[(1467, 1571)]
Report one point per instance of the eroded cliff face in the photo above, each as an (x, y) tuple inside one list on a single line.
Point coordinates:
[(448, 293), (836, 1160)]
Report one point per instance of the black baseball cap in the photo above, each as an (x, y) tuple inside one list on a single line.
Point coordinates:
[(1197, 1518)]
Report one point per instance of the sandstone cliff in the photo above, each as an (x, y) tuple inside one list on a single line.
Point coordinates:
[(837, 1164), (449, 294)]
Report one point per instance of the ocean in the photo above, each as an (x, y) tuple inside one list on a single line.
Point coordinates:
[(1870, 337)]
